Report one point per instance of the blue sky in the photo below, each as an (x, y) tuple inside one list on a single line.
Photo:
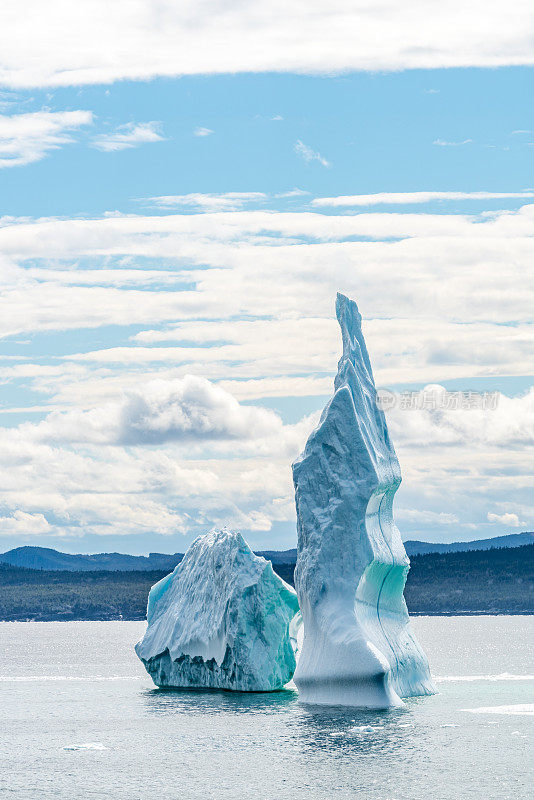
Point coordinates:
[(174, 227), (378, 132)]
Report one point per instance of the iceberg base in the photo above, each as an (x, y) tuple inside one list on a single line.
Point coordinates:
[(193, 672)]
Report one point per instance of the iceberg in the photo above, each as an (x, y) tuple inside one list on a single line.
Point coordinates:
[(357, 646), (221, 620)]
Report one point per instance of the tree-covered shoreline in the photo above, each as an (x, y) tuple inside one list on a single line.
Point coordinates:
[(497, 581)]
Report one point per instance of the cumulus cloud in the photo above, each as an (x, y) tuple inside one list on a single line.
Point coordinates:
[(22, 523), (26, 138), (509, 519), (190, 409), (309, 155), (57, 45), (91, 472), (133, 134)]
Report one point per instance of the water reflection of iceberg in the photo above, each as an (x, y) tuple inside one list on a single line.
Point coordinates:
[(217, 701)]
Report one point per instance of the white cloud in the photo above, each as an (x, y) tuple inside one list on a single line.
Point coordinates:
[(10, 99), (224, 201), (509, 425), (245, 299), (219, 201), (236, 469), (272, 267), (426, 517), (409, 198), (293, 193), (443, 143), (309, 155), (406, 349), (26, 138), (59, 44), (463, 460), (21, 523), (509, 519), (189, 409), (200, 131), (133, 134), (65, 468)]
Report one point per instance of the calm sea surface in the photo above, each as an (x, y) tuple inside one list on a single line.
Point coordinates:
[(81, 719)]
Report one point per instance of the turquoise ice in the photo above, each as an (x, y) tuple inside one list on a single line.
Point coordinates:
[(221, 620), (357, 648)]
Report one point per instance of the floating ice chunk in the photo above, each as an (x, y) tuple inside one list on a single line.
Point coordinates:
[(365, 728), (520, 709), (503, 676), (221, 620), (358, 648)]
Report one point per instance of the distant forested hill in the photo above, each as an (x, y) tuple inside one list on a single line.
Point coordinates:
[(495, 581), (50, 559), (415, 548), (63, 594), (490, 581)]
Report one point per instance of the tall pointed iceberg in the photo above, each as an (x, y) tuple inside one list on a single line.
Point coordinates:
[(357, 649)]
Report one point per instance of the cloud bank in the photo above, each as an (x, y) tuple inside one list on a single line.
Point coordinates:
[(163, 424), (408, 198), (64, 44)]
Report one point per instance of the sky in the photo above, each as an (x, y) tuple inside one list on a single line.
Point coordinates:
[(183, 190)]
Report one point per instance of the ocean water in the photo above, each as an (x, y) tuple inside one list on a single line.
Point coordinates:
[(81, 719)]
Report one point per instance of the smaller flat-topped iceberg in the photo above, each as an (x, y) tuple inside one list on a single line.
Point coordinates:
[(220, 620)]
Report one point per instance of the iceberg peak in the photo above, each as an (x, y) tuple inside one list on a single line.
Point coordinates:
[(357, 646)]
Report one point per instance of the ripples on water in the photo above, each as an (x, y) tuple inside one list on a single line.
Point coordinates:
[(82, 720)]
